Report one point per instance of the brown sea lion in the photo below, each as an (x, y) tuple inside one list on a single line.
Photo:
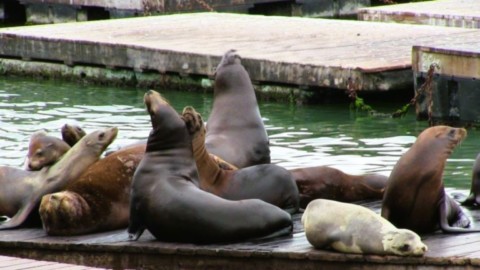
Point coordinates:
[(21, 191), (235, 130), (167, 201), (98, 200), (71, 134), (44, 150), (415, 197), (351, 228), (323, 182), (473, 198), (268, 182)]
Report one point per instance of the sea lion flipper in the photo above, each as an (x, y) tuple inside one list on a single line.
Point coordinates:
[(18, 218), (451, 213)]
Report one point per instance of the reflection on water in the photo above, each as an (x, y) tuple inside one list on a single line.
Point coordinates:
[(299, 135)]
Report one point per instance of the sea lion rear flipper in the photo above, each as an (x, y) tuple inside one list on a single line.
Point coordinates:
[(451, 213)]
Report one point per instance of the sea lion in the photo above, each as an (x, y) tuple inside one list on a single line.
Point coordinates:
[(71, 134), (44, 150), (353, 228), (415, 197), (473, 198), (98, 200), (268, 182), (166, 199), (323, 182), (235, 130), (21, 191)]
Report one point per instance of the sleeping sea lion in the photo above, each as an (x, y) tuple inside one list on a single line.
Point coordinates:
[(44, 150), (21, 191), (351, 228), (98, 200), (166, 199), (323, 182), (235, 130), (415, 197), (268, 182)]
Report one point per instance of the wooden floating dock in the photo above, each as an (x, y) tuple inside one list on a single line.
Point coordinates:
[(454, 13), (113, 250), (456, 84), (12, 263), (276, 50)]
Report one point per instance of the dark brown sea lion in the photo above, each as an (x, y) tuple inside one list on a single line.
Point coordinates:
[(44, 150), (21, 191), (235, 130), (268, 182), (167, 201), (71, 134), (415, 197), (323, 182), (97, 201)]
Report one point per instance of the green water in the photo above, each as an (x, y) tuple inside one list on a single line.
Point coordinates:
[(300, 135)]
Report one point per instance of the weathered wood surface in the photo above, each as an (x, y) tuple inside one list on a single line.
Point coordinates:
[(278, 50), (454, 13), (114, 250), (458, 61), (12, 263), (152, 6)]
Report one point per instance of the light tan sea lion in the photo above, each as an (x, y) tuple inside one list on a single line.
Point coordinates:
[(353, 228)]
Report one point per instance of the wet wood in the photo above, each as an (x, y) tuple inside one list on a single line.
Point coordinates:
[(114, 250), (12, 263), (453, 13), (276, 50)]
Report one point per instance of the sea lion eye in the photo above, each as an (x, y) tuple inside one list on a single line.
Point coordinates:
[(405, 247), (101, 135), (39, 153), (452, 132)]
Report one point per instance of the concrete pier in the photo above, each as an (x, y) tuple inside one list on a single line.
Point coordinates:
[(452, 13)]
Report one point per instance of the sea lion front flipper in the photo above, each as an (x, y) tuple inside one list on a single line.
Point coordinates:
[(18, 218), (452, 217), (474, 198)]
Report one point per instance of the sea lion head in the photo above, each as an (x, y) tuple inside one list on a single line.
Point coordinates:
[(44, 150), (229, 58), (62, 212), (404, 242), (71, 134), (99, 140), (168, 128), (194, 122), (443, 138)]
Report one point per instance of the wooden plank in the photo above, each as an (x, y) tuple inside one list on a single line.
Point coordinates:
[(453, 13), (11, 263), (298, 51)]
